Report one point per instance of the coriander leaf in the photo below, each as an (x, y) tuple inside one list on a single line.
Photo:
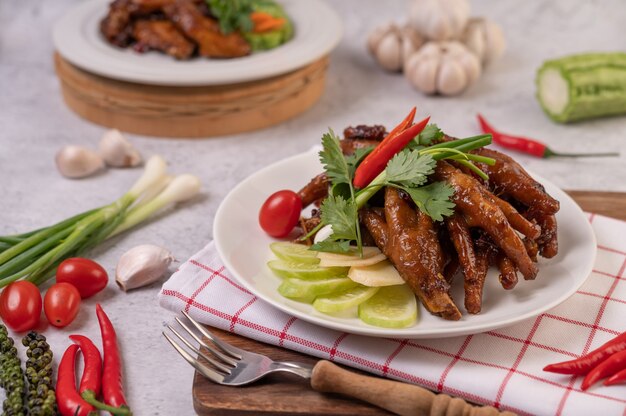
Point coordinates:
[(433, 199), (333, 160), (354, 159), (232, 14), (430, 134), (341, 214), (409, 168), (332, 246)]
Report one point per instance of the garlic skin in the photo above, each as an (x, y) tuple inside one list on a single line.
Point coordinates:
[(117, 151), (78, 162), (439, 19), (485, 38), (392, 45), (446, 68), (141, 266)]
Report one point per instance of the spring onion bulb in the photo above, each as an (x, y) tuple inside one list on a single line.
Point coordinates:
[(35, 255)]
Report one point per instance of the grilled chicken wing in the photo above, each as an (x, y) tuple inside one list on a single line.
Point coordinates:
[(163, 36), (205, 31), (116, 26)]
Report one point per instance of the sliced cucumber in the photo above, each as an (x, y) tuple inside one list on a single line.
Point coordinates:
[(298, 253), (345, 300), (308, 290), (376, 275), (306, 271), (390, 307)]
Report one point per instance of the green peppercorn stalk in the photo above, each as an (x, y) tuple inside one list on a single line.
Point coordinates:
[(11, 376), (35, 255), (40, 396)]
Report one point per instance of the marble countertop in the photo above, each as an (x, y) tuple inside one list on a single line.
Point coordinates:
[(34, 124)]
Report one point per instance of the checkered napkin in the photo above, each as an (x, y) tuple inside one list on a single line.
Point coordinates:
[(502, 368)]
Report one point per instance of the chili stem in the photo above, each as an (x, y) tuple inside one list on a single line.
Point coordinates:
[(90, 398)]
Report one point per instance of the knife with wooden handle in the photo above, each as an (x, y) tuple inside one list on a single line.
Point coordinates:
[(400, 398)]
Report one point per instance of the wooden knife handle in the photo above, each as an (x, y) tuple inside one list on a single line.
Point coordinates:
[(400, 398)]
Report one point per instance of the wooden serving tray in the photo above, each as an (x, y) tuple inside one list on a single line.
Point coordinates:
[(191, 112), (284, 395)]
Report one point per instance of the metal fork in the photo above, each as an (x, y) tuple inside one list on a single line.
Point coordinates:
[(232, 366)]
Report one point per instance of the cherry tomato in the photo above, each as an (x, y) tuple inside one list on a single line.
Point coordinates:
[(61, 304), (20, 306), (280, 213), (85, 275)]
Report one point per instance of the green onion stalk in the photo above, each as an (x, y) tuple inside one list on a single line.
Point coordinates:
[(34, 256)]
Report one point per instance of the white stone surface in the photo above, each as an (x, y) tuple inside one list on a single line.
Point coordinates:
[(34, 124)]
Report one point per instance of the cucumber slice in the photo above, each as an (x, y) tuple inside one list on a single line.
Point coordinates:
[(344, 300), (298, 253), (306, 271), (376, 275), (308, 290), (390, 307)]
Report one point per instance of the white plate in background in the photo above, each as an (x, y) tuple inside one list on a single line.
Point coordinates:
[(76, 36)]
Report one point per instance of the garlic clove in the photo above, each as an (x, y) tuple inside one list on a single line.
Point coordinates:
[(388, 52), (376, 36), (78, 162), (117, 151), (451, 79), (141, 266), (495, 43)]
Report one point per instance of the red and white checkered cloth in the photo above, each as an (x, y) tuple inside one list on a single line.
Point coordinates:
[(502, 368)]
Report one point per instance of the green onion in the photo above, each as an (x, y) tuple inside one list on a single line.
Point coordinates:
[(35, 255)]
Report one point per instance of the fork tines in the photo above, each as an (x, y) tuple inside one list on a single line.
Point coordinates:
[(224, 357)]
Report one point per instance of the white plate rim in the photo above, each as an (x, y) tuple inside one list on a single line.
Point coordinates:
[(413, 332), (79, 42)]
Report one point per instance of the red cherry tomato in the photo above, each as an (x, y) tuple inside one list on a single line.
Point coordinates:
[(85, 275), (20, 306), (280, 213), (61, 304)]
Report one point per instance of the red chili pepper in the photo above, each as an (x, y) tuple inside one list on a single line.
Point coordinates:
[(92, 373), (586, 363), (612, 365), (527, 145), (377, 160), (617, 378), (112, 393), (69, 401)]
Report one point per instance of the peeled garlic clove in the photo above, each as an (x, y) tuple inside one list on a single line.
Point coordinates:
[(117, 151), (141, 266), (78, 162)]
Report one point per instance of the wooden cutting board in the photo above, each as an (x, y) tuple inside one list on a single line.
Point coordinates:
[(290, 395), (190, 112)]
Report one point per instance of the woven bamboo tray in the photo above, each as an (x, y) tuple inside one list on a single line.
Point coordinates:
[(192, 112)]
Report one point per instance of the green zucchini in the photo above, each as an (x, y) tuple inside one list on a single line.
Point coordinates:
[(583, 86)]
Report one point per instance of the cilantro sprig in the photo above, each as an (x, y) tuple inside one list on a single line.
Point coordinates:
[(340, 212)]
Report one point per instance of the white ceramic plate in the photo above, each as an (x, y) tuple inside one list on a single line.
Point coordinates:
[(244, 248), (77, 38)]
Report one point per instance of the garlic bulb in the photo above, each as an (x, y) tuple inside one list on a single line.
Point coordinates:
[(117, 151), (484, 37), (141, 266), (439, 19), (391, 45), (78, 162), (446, 68)]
